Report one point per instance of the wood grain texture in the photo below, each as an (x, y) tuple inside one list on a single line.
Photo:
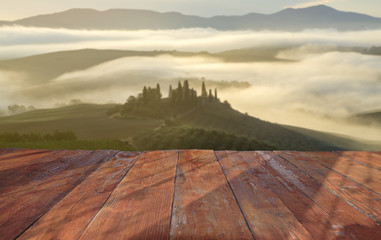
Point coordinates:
[(352, 192), (140, 206), (204, 206), (9, 153), (7, 150), (318, 223), (369, 177), (59, 194), (367, 158), (23, 158), (266, 214), (376, 152), (349, 217), (69, 218), (21, 209), (33, 172)]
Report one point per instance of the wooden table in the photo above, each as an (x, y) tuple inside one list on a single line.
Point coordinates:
[(189, 194)]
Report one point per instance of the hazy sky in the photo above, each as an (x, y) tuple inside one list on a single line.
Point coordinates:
[(16, 9)]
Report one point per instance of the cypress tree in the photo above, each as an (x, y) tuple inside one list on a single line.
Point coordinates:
[(145, 95), (215, 94), (180, 92), (186, 91), (158, 91), (210, 95), (170, 92), (204, 94)]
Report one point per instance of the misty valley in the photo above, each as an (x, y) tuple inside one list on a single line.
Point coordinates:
[(186, 82)]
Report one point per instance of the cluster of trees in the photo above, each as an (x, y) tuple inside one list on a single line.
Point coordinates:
[(150, 103), (14, 109), (37, 137)]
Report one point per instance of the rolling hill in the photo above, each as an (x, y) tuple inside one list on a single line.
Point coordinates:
[(367, 118), (76, 60), (290, 19), (222, 117), (88, 121)]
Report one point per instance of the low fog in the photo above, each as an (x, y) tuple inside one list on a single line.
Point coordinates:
[(318, 88), (20, 41), (327, 86)]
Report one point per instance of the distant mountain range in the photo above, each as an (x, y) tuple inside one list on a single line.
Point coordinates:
[(316, 17)]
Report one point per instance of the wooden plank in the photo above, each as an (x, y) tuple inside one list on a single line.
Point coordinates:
[(353, 220), (318, 223), (19, 154), (377, 152), (6, 150), (367, 158), (69, 218), (266, 214), (352, 192), (204, 206), (37, 168), (22, 209), (369, 177), (140, 206)]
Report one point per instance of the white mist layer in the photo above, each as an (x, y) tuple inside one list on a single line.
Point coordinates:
[(18, 41), (321, 86)]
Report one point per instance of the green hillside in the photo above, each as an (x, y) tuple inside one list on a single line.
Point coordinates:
[(195, 138), (88, 121), (344, 142), (222, 117), (191, 129)]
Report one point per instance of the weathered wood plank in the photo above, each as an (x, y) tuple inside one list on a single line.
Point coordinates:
[(315, 219), (69, 218), (318, 223), (22, 209), (23, 156), (369, 177), (352, 192), (376, 152), (367, 158), (6, 150), (266, 214), (140, 206), (36, 169), (353, 220), (204, 206)]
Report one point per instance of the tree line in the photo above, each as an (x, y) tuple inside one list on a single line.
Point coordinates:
[(150, 101), (36, 136)]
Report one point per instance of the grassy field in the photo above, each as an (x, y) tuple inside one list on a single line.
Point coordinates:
[(222, 117), (195, 138), (87, 121), (95, 130), (343, 142)]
